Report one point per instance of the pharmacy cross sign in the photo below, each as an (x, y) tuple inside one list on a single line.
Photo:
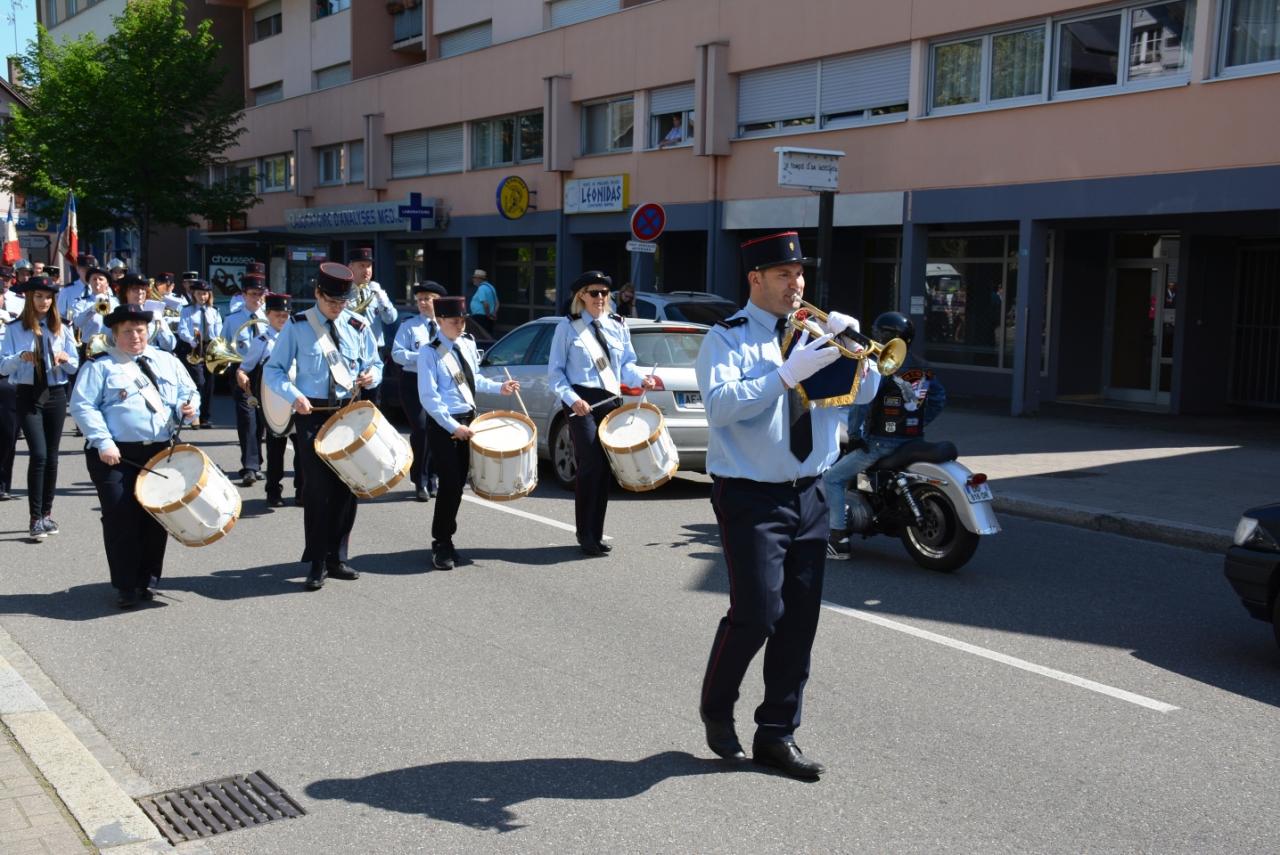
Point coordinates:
[(415, 212)]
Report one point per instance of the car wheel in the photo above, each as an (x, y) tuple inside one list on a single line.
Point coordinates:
[(563, 464)]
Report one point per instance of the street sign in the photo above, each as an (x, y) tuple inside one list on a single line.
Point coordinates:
[(809, 168), (648, 221), (641, 246)]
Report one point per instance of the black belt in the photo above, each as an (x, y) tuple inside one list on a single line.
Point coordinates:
[(798, 484)]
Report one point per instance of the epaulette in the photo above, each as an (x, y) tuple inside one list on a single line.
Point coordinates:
[(435, 343), (730, 323), (618, 318), (299, 317), (356, 322), (98, 356)]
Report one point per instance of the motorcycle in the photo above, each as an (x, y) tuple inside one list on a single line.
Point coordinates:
[(921, 494)]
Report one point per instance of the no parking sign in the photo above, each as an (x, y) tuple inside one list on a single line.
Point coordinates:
[(648, 221)]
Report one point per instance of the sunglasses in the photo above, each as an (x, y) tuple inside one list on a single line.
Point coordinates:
[(598, 292)]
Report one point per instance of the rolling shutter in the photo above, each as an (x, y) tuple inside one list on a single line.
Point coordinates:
[(466, 40), (672, 99), (409, 154), (444, 150), (876, 78), (566, 12), (774, 94)]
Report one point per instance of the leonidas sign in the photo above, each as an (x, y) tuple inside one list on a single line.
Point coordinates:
[(604, 195)]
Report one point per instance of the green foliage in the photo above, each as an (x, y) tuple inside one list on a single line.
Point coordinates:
[(131, 124)]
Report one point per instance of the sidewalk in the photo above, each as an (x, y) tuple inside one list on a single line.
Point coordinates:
[(1178, 480), (32, 819)]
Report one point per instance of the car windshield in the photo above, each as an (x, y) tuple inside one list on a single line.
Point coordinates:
[(700, 311), (667, 349)]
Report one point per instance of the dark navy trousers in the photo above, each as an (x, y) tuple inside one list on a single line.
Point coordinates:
[(250, 430), (329, 506), (594, 477), (134, 541), (421, 472), (775, 548), (9, 424)]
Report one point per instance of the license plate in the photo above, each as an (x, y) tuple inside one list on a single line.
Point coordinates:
[(690, 400), (980, 493)]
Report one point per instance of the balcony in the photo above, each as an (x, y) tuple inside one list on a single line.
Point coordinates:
[(407, 25)]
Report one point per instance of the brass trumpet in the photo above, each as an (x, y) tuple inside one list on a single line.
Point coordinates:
[(102, 304), (889, 356)]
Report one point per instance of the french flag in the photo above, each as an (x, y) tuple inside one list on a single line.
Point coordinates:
[(12, 252), (68, 234)]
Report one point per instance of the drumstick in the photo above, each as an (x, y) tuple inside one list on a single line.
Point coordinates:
[(641, 401), (143, 468), (507, 371)]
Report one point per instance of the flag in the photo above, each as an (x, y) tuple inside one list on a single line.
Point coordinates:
[(12, 252), (68, 234)]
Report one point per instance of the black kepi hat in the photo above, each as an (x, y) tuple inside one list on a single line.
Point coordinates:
[(131, 280), (190, 276), (429, 287), (256, 281), (39, 283), (360, 253), (451, 307), (591, 277), (127, 312), (773, 250), (277, 302), (164, 278), (197, 284), (96, 271), (334, 280)]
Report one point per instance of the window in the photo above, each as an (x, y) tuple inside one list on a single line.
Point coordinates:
[(513, 349), (525, 276), (329, 165), (1250, 35), (267, 94), (71, 8), (1089, 53), (427, 152), (266, 20), (508, 140), (355, 161), (566, 12), (50, 13), (466, 40), (864, 86), (275, 174), (775, 99), (671, 116), (334, 75), (608, 126), (1129, 46), (986, 69), (325, 8)]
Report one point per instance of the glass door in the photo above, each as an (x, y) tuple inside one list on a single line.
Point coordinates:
[(1141, 323)]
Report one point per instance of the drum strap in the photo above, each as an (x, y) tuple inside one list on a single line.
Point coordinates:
[(457, 367), (132, 372), (592, 339), (332, 355)]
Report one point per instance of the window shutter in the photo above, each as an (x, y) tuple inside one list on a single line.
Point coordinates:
[(671, 99), (466, 40), (355, 151), (875, 78), (444, 150), (773, 94), (266, 10), (409, 154), (334, 75), (566, 12)]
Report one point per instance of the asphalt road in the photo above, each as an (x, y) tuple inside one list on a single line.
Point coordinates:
[(542, 701)]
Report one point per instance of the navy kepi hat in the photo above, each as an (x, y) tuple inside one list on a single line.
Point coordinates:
[(198, 284), (277, 302), (429, 287), (127, 312), (591, 277), (451, 307), (360, 253), (334, 280), (132, 280), (772, 250), (256, 281), (39, 283)]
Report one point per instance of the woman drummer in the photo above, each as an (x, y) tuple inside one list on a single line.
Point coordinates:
[(39, 355), (591, 356), (448, 377)]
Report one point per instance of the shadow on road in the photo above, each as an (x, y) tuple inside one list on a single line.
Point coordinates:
[(414, 561), (480, 794)]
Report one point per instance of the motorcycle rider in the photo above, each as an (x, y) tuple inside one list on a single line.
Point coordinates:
[(903, 404)]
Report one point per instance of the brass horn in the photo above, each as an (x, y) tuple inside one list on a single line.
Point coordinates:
[(888, 356), (102, 304), (219, 356), (364, 298), (97, 344)]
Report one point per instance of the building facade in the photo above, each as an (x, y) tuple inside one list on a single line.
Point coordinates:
[(1073, 202)]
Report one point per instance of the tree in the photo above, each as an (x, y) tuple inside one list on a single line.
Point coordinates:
[(133, 125)]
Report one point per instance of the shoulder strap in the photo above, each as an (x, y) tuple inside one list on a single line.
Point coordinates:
[(329, 349)]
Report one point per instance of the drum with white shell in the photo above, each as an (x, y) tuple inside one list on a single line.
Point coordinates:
[(504, 456), (188, 495), (639, 447), (364, 449)]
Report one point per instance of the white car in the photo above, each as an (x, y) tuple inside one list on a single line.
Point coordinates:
[(665, 349)]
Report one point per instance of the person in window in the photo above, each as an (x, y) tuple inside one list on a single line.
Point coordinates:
[(626, 302), (675, 136)]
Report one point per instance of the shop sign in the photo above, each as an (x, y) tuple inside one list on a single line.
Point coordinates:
[(513, 197), (413, 214), (33, 242), (604, 195), (227, 269), (809, 168)]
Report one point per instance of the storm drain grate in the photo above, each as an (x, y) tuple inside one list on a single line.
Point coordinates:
[(215, 807)]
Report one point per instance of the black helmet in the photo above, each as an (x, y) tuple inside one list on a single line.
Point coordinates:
[(891, 325)]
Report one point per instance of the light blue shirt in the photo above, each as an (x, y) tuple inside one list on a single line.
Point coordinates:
[(381, 311), (236, 304), (485, 293), (109, 407), (298, 344), (189, 323), (86, 317), (438, 387), (259, 350), (19, 340), (68, 296), (571, 364), (243, 336), (410, 338), (749, 421)]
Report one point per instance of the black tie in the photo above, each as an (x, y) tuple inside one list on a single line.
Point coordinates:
[(801, 424), (595, 328), (42, 378), (467, 373), (145, 365), (337, 344)]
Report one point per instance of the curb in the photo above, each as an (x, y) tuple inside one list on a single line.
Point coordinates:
[(109, 817), (1154, 529)]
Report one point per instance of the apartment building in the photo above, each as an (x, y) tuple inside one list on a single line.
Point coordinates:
[(1074, 202)]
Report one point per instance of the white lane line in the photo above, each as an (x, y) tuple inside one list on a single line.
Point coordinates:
[(501, 506), (1013, 661)]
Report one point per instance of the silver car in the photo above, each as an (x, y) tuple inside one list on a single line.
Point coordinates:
[(666, 349)]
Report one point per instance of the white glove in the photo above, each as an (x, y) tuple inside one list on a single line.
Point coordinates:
[(807, 358), (838, 322)]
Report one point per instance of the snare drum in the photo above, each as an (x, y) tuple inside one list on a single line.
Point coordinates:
[(188, 495), (276, 411), (639, 447), (361, 446), (504, 456)]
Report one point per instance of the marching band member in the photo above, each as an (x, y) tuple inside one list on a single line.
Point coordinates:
[(249, 427), (21, 272), (410, 338), (173, 303), (134, 289), (336, 359), (248, 377), (766, 454), (87, 312), (10, 308), (591, 355), (198, 324), (77, 290), (381, 310), (130, 400), (448, 377), (116, 269), (254, 269), (39, 355)]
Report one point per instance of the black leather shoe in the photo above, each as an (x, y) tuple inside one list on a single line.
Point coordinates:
[(604, 547), (422, 495), (442, 557), (785, 756), (275, 501), (341, 570), (315, 579), (127, 599), (433, 487), (146, 595), (723, 739), (258, 476), (592, 549), (246, 479)]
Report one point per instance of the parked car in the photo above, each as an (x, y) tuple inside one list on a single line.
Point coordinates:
[(1253, 564), (699, 307), (665, 349), (391, 369)]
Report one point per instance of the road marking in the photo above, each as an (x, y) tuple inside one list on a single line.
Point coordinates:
[(501, 506), (1100, 688)]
